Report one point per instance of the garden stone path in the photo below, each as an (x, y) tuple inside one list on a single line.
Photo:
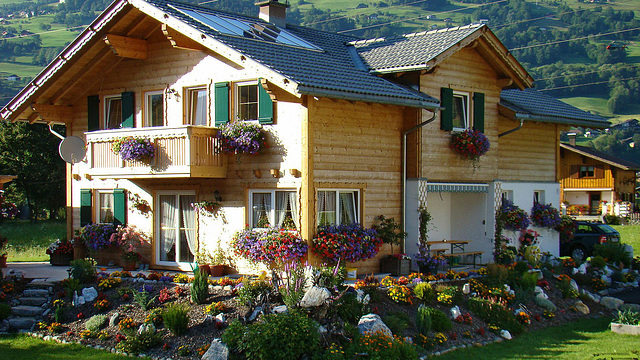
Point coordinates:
[(32, 306)]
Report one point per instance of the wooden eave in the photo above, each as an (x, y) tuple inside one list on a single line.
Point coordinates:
[(597, 158)]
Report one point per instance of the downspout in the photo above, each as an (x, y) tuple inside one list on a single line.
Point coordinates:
[(512, 130), (404, 165)]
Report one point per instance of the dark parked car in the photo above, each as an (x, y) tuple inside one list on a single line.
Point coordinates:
[(585, 236)]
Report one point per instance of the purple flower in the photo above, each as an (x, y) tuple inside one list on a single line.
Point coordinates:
[(545, 215), (241, 137), (132, 149), (514, 218)]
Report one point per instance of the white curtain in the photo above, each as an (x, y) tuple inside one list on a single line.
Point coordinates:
[(347, 208), (281, 206), (168, 205), (293, 203), (326, 207), (201, 107), (106, 207), (261, 209), (189, 221)]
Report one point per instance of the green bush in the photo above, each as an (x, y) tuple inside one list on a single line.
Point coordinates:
[(251, 290), (5, 311), (613, 253), (349, 309), (423, 320), (144, 298), (330, 276), (497, 275), (424, 291), (598, 262), (199, 287), (379, 346), (95, 322), (83, 270), (397, 322), (528, 281), (176, 318), (495, 314), (140, 342), (612, 219), (274, 336), (71, 286), (439, 320)]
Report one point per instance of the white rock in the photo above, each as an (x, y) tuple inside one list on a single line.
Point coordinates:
[(607, 271), (221, 318), (611, 303), (574, 285), (316, 296), (574, 271), (114, 319), (466, 289), (538, 290), (505, 334), (542, 295), (89, 294), (372, 323), (146, 328), (455, 312), (507, 287), (606, 279), (362, 297), (279, 309), (582, 308), (583, 268), (257, 311)]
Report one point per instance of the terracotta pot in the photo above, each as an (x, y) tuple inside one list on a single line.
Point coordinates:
[(216, 270), (61, 259), (129, 266), (204, 269), (3, 261), (108, 256)]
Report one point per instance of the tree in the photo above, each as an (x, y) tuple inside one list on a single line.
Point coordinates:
[(31, 152)]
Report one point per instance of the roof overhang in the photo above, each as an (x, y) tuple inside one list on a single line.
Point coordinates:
[(313, 91), (592, 156), (517, 114)]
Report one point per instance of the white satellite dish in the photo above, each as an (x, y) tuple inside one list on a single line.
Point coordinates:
[(72, 149)]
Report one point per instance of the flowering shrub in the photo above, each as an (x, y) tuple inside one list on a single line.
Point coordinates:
[(565, 228), (241, 137), (513, 217), (400, 294), (469, 144), (523, 318), (464, 319), (60, 247), (102, 305), (97, 236), (346, 243), (109, 283), (133, 149), (545, 215), (426, 261), (127, 325), (270, 246), (215, 308)]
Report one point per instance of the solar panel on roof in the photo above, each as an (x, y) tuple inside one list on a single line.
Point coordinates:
[(245, 28)]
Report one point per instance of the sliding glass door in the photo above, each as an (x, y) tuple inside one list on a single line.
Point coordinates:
[(176, 229)]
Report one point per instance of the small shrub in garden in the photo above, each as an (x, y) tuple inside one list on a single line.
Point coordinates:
[(102, 305), (109, 283), (143, 297), (199, 287), (55, 327), (429, 342), (250, 291), (83, 270), (274, 336), (176, 318), (154, 317), (424, 291), (5, 311), (330, 276), (349, 309), (165, 295), (128, 326), (381, 346), (495, 313), (95, 322), (439, 320), (449, 295), (423, 320), (564, 285), (400, 294), (598, 262), (614, 253), (215, 308), (292, 284), (140, 342), (181, 279), (397, 322)]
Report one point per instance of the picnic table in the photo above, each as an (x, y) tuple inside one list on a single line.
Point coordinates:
[(456, 249)]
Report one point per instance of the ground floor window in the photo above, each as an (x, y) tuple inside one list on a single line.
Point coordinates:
[(337, 207), (105, 206), (274, 208), (176, 228)]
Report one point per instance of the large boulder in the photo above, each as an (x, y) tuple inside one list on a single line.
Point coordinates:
[(581, 307), (89, 294), (372, 323), (544, 303), (611, 303), (316, 296), (217, 351)]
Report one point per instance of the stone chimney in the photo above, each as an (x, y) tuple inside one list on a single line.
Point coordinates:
[(274, 11), (572, 138)]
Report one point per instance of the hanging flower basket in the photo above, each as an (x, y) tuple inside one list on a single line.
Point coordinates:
[(469, 144), (134, 149), (513, 217), (242, 137), (545, 215)]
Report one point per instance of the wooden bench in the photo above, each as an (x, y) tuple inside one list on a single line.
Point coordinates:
[(475, 254)]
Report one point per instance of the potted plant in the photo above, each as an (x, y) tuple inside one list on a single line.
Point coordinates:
[(470, 145), (545, 215), (241, 137), (272, 246), (391, 233), (134, 149), (203, 259), (626, 322), (3, 253), (221, 263), (427, 263), (130, 259), (512, 217), (60, 252)]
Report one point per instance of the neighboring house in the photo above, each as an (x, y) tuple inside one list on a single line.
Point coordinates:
[(357, 128), (594, 183)]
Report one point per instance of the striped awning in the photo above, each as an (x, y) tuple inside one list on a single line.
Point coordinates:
[(457, 187)]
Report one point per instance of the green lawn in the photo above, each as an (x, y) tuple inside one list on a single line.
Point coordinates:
[(575, 341), (630, 234), (19, 347), (28, 241)]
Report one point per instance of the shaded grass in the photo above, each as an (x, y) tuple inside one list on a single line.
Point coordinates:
[(19, 347), (574, 341), (630, 234), (28, 241)]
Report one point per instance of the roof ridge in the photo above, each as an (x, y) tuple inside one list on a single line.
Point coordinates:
[(415, 34)]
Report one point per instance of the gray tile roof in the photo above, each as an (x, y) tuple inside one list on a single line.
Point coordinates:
[(538, 106), (331, 72), (410, 50), (599, 155)]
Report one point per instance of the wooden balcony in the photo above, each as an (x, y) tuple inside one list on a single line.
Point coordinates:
[(587, 183), (180, 152)]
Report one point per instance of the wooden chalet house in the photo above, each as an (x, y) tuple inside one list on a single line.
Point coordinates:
[(339, 111), (594, 184)]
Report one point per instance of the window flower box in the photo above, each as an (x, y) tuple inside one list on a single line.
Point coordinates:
[(396, 265)]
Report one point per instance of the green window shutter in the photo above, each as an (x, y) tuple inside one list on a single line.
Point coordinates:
[(446, 99), (85, 207), (119, 207), (221, 96), (93, 113), (127, 109), (265, 106), (478, 112)]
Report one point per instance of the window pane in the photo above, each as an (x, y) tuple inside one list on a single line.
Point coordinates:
[(261, 208), (155, 110), (114, 113), (459, 112), (348, 208), (188, 242), (248, 102), (106, 208), (326, 207), (168, 227), (198, 107), (286, 209)]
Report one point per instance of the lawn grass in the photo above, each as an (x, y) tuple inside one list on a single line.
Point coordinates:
[(574, 341), (630, 234), (19, 347), (28, 241)]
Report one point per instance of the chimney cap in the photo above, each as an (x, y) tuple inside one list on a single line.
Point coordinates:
[(273, 2)]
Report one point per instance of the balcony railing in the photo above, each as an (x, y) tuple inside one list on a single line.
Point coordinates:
[(180, 152)]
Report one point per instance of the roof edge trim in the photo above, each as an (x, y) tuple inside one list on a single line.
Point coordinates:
[(563, 120), (307, 90)]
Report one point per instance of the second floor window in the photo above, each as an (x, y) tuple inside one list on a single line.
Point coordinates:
[(587, 171), (247, 100), (197, 106), (113, 112), (461, 111), (154, 108)]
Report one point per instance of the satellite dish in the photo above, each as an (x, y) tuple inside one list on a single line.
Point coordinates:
[(72, 149)]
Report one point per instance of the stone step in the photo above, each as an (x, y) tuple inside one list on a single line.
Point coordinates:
[(21, 323), (35, 293), (41, 284), (27, 311), (33, 301)]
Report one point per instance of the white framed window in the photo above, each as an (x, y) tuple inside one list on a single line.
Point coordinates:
[(246, 103), (538, 197), (461, 111), (196, 106), (105, 206), (338, 206), (507, 195), (112, 112), (154, 108), (274, 208), (176, 241)]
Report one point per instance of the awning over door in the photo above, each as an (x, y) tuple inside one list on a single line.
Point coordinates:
[(457, 187)]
